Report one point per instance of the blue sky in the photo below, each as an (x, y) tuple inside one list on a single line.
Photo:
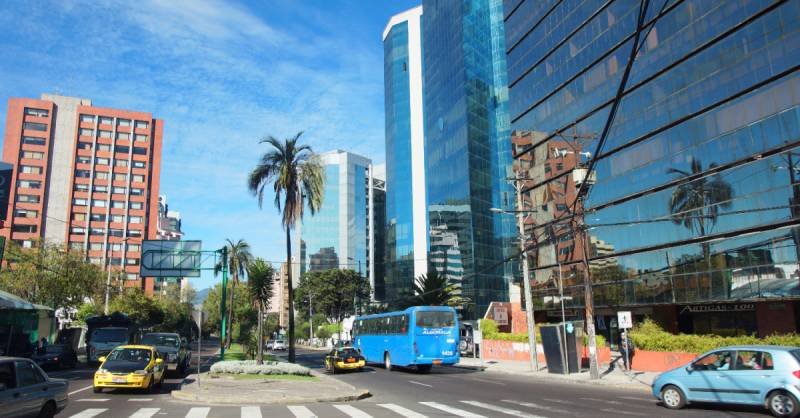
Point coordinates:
[(221, 75)]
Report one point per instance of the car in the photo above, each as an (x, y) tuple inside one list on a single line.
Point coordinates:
[(26, 390), (172, 348), (269, 345), (56, 356), (279, 345), (132, 367), (344, 358), (768, 376)]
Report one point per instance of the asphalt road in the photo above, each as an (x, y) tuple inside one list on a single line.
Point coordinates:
[(445, 392)]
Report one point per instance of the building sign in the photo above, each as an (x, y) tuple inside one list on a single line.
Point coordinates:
[(500, 315), (6, 172), (733, 307)]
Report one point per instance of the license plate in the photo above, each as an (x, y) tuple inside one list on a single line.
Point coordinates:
[(119, 380), (437, 362), (351, 360)]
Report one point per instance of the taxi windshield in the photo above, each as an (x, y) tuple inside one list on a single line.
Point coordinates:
[(137, 355)]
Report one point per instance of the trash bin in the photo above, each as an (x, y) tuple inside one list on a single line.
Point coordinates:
[(554, 347)]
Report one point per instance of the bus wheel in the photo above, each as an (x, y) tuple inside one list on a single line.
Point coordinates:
[(387, 361), (424, 368)]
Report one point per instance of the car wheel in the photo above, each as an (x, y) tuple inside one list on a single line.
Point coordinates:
[(97, 389), (387, 361), (673, 397), (48, 410), (783, 404)]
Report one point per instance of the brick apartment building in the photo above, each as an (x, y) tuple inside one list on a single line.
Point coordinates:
[(84, 176)]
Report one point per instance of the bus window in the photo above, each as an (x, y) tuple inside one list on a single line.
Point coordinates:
[(435, 319)]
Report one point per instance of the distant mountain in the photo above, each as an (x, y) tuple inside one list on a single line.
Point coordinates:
[(201, 296)]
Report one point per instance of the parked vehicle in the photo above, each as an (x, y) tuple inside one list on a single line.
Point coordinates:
[(105, 332), (130, 366), (55, 356), (754, 375), (269, 345), (279, 345), (172, 348), (344, 358), (25, 390)]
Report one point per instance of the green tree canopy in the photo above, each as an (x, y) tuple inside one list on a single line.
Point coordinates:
[(333, 292), (435, 289), (138, 306)]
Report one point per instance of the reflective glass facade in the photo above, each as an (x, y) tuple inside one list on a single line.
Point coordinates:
[(692, 195), (320, 237), (467, 148)]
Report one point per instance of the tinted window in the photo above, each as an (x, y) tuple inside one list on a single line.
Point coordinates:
[(27, 374), (103, 335), (435, 319), (7, 380)]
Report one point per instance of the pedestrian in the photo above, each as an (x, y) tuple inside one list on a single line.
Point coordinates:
[(627, 349)]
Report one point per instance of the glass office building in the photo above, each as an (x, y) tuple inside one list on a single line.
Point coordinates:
[(683, 205), (468, 147), (406, 214)]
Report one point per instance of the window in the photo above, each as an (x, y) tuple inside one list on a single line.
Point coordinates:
[(97, 231), (134, 233), (123, 135), (84, 174), (31, 169), (131, 276), (120, 177), (115, 261), (137, 192), (140, 138), (25, 243), (82, 159), (719, 360), (140, 151), (435, 319), (122, 149), (32, 140), (104, 147), (95, 260), (116, 204), (26, 213), (78, 216), (103, 161), (118, 190), (120, 163), (101, 175), (123, 122), (87, 118), (141, 124), (95, 246), (97, 217), (559, 166), (136, 219), (100, 189), (33, 126), (24, 228), (39, 113), (84, 145), (79, 202), (136, 205), (754, 360), (117, 218), (105, 120), (115, 247), (115, 232), (105, 134), (27, 374), (76, 245), (98, 203), (27, 198), (32, 155), (132, 261), (134, 248), (138, 178), (29, 184), (138, 164), (87, 132)]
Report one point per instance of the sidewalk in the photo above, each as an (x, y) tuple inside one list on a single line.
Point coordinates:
[(608, 376), (227, 390)]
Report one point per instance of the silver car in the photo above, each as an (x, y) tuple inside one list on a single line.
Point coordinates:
[(25, 390)]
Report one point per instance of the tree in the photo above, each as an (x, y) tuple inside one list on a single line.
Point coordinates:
[(243, 313), (259, 281), (140, 308), (239, 257), (51, 275), (332, 292), (435, 289), (695, 204), (298, 180)]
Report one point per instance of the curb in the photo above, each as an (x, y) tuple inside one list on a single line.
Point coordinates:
[(204, 399)]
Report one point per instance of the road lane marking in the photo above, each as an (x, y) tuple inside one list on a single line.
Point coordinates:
[(488, 381), (93, 400), (617, 411), (402, 411), (80, 390), (301, 412), (351, 411), (451, 410), (89, 413), (633, 398), (537, 406), (602, 401), (140, 399), (198, 412), (500, 409), (145, 413), (558, 401), (419, 383), (251, 412)]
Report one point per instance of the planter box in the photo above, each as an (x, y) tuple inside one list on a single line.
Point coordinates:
[(656, 361)]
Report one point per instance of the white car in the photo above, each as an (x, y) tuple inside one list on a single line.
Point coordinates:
[(279, 345)]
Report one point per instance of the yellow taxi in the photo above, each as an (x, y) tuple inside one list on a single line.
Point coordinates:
[(130, 367), (344, 358)]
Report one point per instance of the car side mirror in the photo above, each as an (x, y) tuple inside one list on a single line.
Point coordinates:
[(102, 359), (689, 368), (159, 361)]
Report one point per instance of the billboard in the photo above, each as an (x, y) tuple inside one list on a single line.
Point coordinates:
[(162, 258)]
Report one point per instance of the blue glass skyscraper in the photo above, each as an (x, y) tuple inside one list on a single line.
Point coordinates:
[(468, 147)]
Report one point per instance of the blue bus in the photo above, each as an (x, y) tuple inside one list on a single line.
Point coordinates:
[(421, 336)]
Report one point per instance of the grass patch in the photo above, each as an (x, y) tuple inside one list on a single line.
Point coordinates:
[(236, 352), (266, 377)]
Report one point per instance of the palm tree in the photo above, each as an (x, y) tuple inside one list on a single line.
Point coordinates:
[(239, 258), (435, 289), (259, 280), (298, 180), (695, 204)]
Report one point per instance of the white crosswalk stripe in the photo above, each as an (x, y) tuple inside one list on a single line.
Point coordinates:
[(502, 410), (450, 410), (542, 407), (145, 412), (94, 400), (402, 411), (301, 412), (89, 413), (251, 412), (352, 411), (198, 412)]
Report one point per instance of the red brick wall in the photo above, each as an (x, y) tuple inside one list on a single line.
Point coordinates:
[(775, 318)]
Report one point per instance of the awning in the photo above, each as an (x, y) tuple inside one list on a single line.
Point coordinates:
[(9, 301)]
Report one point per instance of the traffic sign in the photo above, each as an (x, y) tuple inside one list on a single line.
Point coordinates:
[(625, 320)]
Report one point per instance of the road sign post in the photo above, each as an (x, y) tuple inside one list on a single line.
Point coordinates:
[(625, 322)]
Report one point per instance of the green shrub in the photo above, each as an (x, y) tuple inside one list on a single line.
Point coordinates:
[(490, 332), (250, 367), (649, 336)]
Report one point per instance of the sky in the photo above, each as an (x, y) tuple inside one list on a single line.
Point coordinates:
[(222, 75)]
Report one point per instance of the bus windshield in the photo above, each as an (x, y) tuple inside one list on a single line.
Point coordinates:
[(435, 319), (105, 335)]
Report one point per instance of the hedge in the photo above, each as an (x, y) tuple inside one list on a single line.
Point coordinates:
[(250, 367), (490, 332), (649, 336)]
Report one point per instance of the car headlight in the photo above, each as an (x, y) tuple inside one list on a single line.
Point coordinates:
[(102, 371), (141, 372)]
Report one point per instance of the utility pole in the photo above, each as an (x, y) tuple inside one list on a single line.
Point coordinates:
[(594, 368), (224, 315), (534, 360)]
